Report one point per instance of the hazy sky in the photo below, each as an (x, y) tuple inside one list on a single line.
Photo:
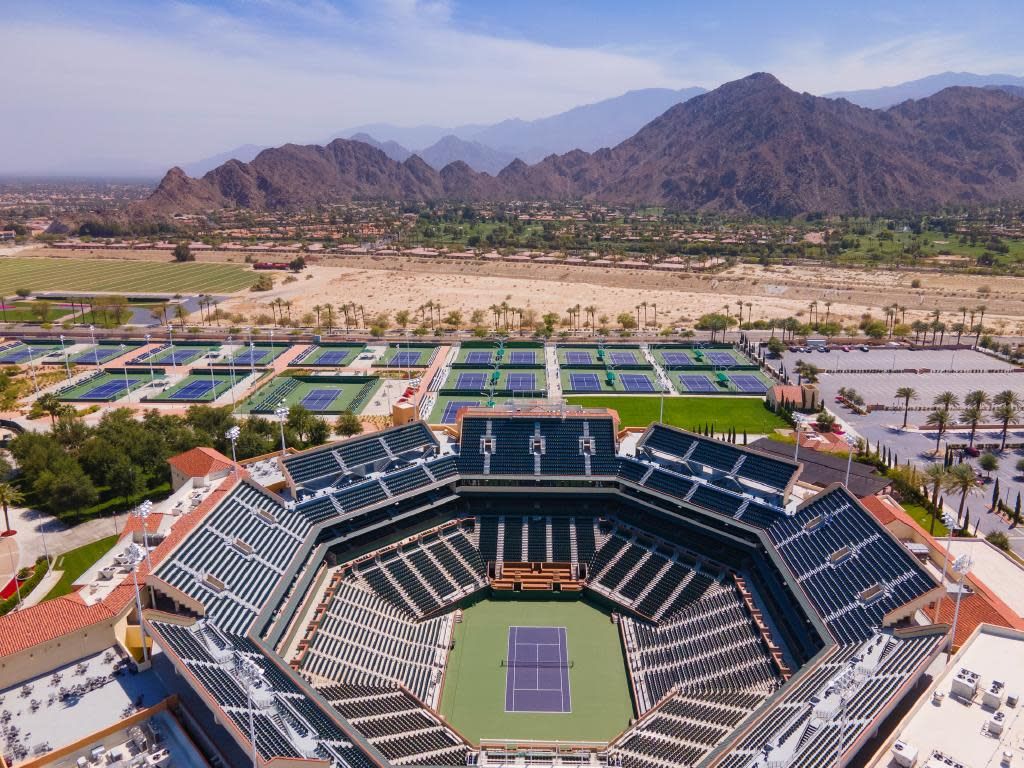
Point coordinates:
[(92, 85)]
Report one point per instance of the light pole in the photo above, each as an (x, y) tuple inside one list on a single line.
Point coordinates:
[(960, 567), (32, 369), (142, 512), (849, 463), (170, 340), (282, 413), (150, 359), (950, 521), (64, 354), (249, 672), (135, 556), (95, 349), (14, 567), (232, 435), (127, 386), (796, 448), (252, 357), (844, 686)]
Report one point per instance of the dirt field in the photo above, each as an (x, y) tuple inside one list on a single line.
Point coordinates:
[(388, 284)]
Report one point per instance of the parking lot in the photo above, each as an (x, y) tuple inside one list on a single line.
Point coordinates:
[(877, 374)]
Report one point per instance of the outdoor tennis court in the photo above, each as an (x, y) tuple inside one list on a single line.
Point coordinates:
[(101, 354), (202, 387), (636, 382), (471, 381), (520, 382), (26, 353), (585, 382), (319, 394), (622, 358), (609, 381), (107, 387), (537, 670), (176, 355), (748, 383), (334, 356), (256, 355), (696, 383), (676, 358), (522, 357), (451, 409), (407, 356), (721, 358), (478, 358), (577, 357)]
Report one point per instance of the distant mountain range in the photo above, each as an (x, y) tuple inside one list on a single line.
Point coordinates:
[(752, 145), (891, 95)]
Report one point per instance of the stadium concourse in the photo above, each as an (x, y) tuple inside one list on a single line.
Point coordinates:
[(761, 622)]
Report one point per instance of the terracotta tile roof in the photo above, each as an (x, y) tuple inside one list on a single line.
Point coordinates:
[(51, 619), (975, 609), (200, 462)]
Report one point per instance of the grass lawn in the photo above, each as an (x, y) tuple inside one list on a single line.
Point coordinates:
[(123, 276), (741, 413), (924, 518), (473, 699), (76, 562)]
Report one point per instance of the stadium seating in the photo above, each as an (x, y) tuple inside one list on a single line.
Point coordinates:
[(838, 552)]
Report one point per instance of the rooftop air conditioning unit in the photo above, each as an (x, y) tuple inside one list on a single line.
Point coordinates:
[(965, 684), (904, 755), (994, 695), (996, 723)]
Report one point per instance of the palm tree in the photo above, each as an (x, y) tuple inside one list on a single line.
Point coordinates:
[(935, 475), (960, 478), (971, 415), (946, 401), (1007, 409), (51, 404), (981, 319), (908, 394), (317, 309), (9, 497), (940, 420), (977, 398)]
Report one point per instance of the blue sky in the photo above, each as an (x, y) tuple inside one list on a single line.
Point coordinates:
[(122, 85)]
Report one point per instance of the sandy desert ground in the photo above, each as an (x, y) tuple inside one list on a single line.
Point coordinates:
[(389, 284)]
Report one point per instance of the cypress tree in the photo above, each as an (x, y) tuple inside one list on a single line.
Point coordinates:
[(1016, 510)]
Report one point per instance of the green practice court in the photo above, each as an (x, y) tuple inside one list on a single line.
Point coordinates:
[(202, 386), (109, 386), (740, 413), (33, 351), (517, 355), (407, 356), (473, 699), (319, 394), (599, 357), (606, 381), (183, 353), (328, 356), (682, 357), (446, 407), (474, 381), (102, 353), (257, 355)]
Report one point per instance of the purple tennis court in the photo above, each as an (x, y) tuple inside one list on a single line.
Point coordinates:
[(537, 674)]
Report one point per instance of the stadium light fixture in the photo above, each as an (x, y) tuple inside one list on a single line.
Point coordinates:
[(961, 566), (950, 521), (149, 357), (95, 348), (249, 672), (127, 386), (135, 555), (232, 435), (844, 686), (64, 353), (142, 513), (282, 413), (32, 369), (170, 340)]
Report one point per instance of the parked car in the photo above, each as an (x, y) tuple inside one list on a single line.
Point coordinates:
[(865, 348), (845, 348)]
